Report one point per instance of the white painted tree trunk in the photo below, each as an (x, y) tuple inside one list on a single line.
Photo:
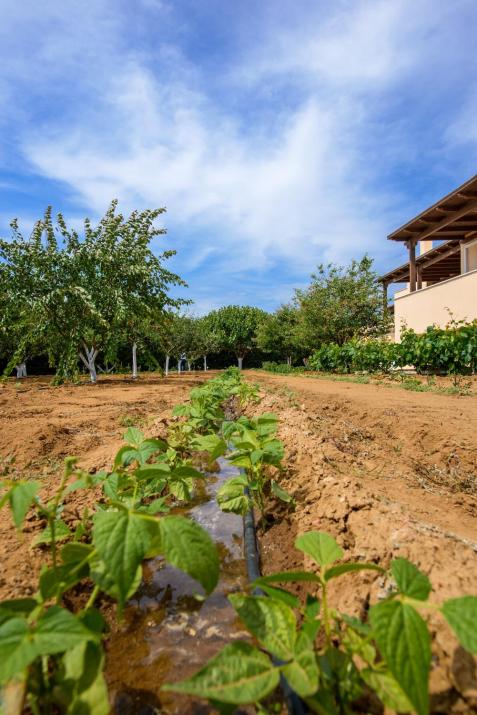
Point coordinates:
[(289, 360), (89, 359), (179, 366), (166, 371), (205, 363), (21, 370), (240, 362), (188, 366), (134, 361)]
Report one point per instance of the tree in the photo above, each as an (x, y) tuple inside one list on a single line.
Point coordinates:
[(77, 297), (236, 327), (339, 304), (277, 334)]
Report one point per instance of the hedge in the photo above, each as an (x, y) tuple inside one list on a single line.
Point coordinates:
[(444, 351)]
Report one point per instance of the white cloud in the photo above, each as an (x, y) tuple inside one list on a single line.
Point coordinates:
[(298, 182)]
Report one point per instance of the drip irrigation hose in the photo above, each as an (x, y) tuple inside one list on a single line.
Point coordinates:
[(294, 703)]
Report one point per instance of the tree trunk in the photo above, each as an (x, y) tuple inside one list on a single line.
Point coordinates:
[(289, 361), (89, 360), (240, 362), (166, 371), (21, 370), (179, 366), (134, 361), (188, 365), (205, 363)]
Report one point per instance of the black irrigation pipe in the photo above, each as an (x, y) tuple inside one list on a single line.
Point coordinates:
[(294, 703)]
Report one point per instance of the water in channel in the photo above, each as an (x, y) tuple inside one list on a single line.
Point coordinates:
[(168, 634)]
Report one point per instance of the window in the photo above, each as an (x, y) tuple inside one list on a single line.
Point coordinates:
[(470, 257)]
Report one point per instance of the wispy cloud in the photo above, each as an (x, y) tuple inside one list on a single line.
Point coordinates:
[(291, 151)]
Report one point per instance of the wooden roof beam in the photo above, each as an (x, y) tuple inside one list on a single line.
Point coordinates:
[(472, 206)]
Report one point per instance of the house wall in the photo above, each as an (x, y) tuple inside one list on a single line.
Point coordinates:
[(429, 305)]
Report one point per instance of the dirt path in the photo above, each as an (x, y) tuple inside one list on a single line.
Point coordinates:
[(389, 473)]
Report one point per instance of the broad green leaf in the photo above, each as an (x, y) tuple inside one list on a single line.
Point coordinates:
[(54, 581), (125, 456), (100, 574), (279, 594), (59, 630), (181, 488), (302, 672), (152, 471), (211, 443), (122, 539), (17, 649), (187, 472), (341, 569), (461, 615), (311, 624), (16, 607), (239, 674), (21, 497), (387, 690), (83, 688), (62, 532), (320, 546), (188, 547), (272, 622), (133, 436), (158, 506), (410, 580), (403, 639), (231, 496), (280, 493), (75, 552)]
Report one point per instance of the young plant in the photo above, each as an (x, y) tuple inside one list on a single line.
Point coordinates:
[(51, 659), (256, 450), (331, 659)]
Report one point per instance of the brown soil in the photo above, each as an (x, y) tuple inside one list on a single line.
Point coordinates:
[(40, 425), (389, 473)]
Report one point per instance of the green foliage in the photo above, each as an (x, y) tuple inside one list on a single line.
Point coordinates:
[(450, 351), (277, 334), (328, 658), (340, 304), (72, 296), (281, 368), (236, 327)]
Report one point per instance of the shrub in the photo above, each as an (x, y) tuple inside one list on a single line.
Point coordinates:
[(451, 351)]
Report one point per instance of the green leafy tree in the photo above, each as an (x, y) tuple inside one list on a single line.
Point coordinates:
[(236, 327), (278, 336), (339, 304), (78, 296)]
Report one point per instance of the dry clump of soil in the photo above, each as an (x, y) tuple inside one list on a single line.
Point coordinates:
[(40, 425), (387, 477)]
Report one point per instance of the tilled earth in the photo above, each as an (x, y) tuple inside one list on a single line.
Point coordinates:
[(40, 425), (388, 474)]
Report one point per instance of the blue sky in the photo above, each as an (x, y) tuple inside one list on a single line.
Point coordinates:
[(278, 134)]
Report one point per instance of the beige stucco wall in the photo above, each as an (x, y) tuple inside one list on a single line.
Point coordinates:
[(428, 306)]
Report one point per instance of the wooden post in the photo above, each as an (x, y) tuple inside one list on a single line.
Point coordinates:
[(385, 300), (412, 264), (419, 277)]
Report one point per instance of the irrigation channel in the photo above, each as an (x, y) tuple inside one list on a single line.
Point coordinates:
[(168, 633)]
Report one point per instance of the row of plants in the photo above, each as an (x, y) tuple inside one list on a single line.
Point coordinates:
[(451, 351), (335, 662), (51, 658)]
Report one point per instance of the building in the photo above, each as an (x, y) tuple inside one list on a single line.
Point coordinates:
[(441, 272)]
